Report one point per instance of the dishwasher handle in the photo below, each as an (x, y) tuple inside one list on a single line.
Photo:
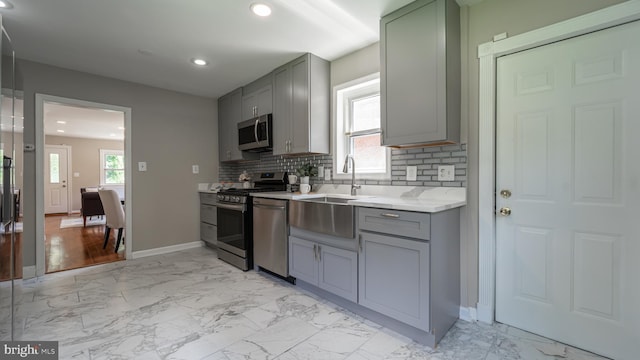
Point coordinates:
[(260, 206)]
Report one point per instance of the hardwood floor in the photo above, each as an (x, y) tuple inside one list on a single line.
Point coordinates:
[(65, 249), (5, 260), (76, 247)]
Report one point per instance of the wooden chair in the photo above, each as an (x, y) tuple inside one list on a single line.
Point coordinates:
[(115, 215)]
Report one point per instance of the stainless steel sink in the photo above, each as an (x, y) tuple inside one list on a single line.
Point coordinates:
[(327, 215), (330, 200)]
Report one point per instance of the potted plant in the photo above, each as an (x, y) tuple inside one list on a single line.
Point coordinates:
[(305, 171)]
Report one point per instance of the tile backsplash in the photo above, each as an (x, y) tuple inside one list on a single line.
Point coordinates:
[(426, 159)]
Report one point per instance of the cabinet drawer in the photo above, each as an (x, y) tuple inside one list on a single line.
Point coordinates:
[(400, 223), (210, 199), (208, 233), (208, 214)]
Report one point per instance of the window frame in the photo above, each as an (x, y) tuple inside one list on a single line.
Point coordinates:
[(103, 154), (343, 96)]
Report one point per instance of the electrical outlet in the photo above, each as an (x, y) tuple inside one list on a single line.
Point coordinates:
[(327, 174), (142, 166), (320, 172), (446, 172), (412, 173), (195, 169)]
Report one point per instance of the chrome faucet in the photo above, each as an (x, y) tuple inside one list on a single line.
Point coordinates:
[(345, 169)]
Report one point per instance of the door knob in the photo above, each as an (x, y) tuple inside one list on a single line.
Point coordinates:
[(505, 193), (505, 211)]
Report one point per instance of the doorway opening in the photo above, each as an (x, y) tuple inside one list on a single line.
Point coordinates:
[(85, 149)]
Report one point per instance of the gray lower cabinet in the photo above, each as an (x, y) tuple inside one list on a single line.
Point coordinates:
[(409, 268), (394, 278), (229, 115), (208, 219), (329, 268), (420, 74)]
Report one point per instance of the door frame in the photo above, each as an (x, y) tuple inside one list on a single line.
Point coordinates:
[(69, 178), (487, 55), (39, 149)]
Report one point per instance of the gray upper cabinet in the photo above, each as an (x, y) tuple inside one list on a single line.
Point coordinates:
[(257, 98), (229, 114), (301, 96), (420, 74)]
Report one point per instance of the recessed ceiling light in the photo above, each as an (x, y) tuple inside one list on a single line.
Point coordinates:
[(60, 131), (199, 62), (261, 9), (5, 4), (61, 122)]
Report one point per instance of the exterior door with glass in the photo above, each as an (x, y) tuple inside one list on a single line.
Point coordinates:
[(56, 163)]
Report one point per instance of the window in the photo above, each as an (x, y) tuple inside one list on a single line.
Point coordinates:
[(357, 129), (111, 167)]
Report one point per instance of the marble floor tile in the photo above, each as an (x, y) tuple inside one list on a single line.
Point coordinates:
[(190, 305)]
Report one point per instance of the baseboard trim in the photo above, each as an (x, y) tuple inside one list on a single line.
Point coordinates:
[(28, 272), (468, 314), (485, 313), (166, 249)]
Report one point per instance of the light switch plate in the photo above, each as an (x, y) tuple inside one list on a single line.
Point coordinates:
[(142, 166), (320, 172), (446, 172), (195, 169), (412, 173), (327, 174)]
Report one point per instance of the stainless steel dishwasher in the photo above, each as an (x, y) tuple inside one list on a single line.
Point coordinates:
[(270, 235)]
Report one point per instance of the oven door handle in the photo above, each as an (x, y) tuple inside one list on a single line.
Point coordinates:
[(239, 207)]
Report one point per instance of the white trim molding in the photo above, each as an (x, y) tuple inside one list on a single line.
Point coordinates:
[(40, 145), (487, 54), (468, 314), (28, 272), (167, 249)]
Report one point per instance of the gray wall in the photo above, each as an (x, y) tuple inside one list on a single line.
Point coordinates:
[(479, 23), (85, 160), (170, 131)]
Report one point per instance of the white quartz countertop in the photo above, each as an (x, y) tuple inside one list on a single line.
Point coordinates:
[(419, 199)]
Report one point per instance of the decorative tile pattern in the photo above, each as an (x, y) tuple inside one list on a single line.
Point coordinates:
[(189, 305)]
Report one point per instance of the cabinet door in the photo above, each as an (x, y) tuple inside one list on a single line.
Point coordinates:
[(339, 272), (394, 278), (257, 103), (282, 96), (209, 233), (265, 101), (229, 114), (413, 75), (249, 105), (300, 106), (303, 264)]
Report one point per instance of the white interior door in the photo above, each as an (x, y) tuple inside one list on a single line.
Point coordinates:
[(568, 255), (56, 187)]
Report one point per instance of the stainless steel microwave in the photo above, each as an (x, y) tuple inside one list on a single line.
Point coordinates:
[(255, 135)]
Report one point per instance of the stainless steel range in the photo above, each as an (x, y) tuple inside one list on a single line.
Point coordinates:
[(235, 219)]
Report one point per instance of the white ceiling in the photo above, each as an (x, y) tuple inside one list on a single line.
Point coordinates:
[(152, 41), (75, 121), (70, 121)]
